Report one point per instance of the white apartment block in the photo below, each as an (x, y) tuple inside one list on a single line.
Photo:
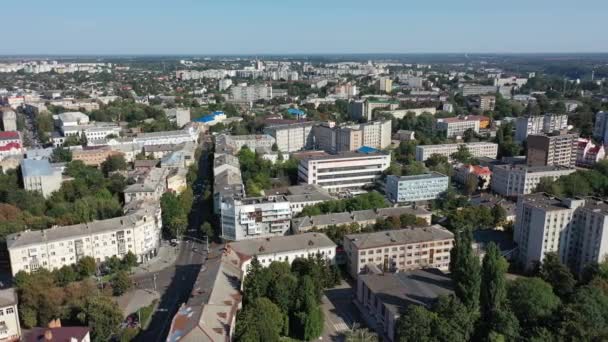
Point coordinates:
[(292, 137), (416, 188), (9, 120), (575, 229), (10, 328), (547, 123), (376, 134), (250, 93), (138, 232), (181, 116), (40, 176), (236, 142), (343, 171), (455, 127), (399, 250), (250, 218), (224, 84), (284, 248), (188, 134), (477, 149), (401, 113), (515, 180)]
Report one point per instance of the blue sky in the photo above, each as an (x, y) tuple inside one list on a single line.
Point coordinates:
[(294, 26)]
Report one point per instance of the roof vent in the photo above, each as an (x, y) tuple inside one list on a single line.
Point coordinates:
[(310, 243)]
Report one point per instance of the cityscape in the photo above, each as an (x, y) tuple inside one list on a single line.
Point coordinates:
[(381, 194)]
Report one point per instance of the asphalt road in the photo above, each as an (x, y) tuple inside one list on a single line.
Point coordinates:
[(175, 283)]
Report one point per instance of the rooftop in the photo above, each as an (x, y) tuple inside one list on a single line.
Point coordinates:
[(8, 297), (281, 244), (9, 135), (399, 237), (60, 334), (427, 175), (36, 168)]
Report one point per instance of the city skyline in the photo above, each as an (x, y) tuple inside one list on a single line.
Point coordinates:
[(313, 27)]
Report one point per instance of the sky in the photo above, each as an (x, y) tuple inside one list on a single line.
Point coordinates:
[(173, 27)]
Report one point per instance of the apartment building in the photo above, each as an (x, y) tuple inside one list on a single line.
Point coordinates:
[(475, 89), (399, 250), (376, 134), (588, 153), (515, 180), (138, 232), (149, 185), (249, 218), (600, 128), (455, 127), (343, 171), (233, 143), (41, 176), (401, 113), (10, 328), (181, 116), (11, 144), (416, 188), (477, 149), (364, 109), (9, 119), (284, 249), (575, 229), (487, 102), (547, 123), (385, 84), (554, 149), (252, 93), (187, 134), (292, 137), (94, 155)]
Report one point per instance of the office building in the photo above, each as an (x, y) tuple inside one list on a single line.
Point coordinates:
[(9, 119), (41, 176), (301, 196), (588, 153), (547, 123), (364, 109), (344, 171), (284, 249), (292, 137), (600, 129), (474, 89), (385, 84), (575, 229), (252, 93), (477, 149), (399, 250), (554, 149), (515, 180), (249, 218), (138, 232), (10, 328), (415, 188), (455, 127), (382, 298)]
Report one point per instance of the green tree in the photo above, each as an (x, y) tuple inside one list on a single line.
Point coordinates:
[(61, 155), (463, 155), (500, 214), (129, 260), (470, 185), (103, 316), (120, 283), (360, 335), (416, 325), (557, 275), (495, 314), (207, 229), (456, 321), (260, 321), (465, 269), (114, 162), (256, 282), (532, 300), (86, 266), (65, 275)]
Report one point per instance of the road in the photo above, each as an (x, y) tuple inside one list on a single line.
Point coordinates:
[(175, 283), (340, 312)]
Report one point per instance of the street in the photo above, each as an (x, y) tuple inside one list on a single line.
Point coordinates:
[(340, 312)]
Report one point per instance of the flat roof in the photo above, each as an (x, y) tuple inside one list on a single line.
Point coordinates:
[(428, 175), (399, 237), (282, 244), (36, 167)]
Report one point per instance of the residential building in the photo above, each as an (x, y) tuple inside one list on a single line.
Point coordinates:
[(301, 196), (233, 143), (487, 102), (399, 250), (149, 185), (94, 155), (187, 134), (482, 174), (177, 180), (224, 84), (292, 137), (553, 149), (284, 249), (9, 120), (376, 134), (455, 127), (10, 328), (181, 116), (11, 144), (600, 129), (515, 180), (575, 229), (477, 149), (56, 333), (547, 123), (364, 109), (138, 232), (326, 137), (385, 84), (588, 153), (40, 175), (343, 171), (404, 135), (401, 113), (382, 298), (252, 93), (362, 218), (474, 89), (70, 119), (416, 188), (249, 218)]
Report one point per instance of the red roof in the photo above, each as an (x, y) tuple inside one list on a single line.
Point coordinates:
[(479, 170), (9, 135), (10, 146)]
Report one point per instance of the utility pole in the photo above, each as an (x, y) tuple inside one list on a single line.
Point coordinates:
[(154, 281)]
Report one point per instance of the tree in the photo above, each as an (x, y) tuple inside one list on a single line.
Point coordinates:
[(207, 229), (260, 321), (456, 321), (463, 154), (471, 184), (495, 314), (103, 316), (86, 266), (465, 269), (499, 213), (357, 334), (120, 283), (586, 317), (114, 162), (61, 155), (416, 325), (129, 260), (532, 300), (65, 275), (256, 282), (557, 275)]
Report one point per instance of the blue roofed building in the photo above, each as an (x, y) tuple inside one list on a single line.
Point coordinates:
[(300, 114), (40, 175), (212, 119)]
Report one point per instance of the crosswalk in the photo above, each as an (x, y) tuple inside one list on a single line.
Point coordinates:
[(341, 326)]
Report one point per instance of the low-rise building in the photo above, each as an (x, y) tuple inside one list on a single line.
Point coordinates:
[(10, 328), (9, 119), (477, 149), (138, 232), (40, 175), (149, 185), (93, 156), (401, 113), (455, 127), (416, 188), (399, 250), (343, 171), (515, 180), (249, 218), (181, 116), (588, 153), (481, 173)]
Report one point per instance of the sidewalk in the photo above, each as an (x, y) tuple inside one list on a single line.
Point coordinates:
[(165, 258), (133, 300)]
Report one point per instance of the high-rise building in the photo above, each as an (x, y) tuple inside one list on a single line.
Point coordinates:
[(554, 149), (385, 84), (539, 124), (575, 229), (332, 139), (600, 130)]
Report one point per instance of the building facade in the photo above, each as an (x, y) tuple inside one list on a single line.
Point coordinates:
[(10, 328), (250, 218), (547, 123), (600, 128), (477, 149), (292, 137), (555, 149), (455, 127), (416, 188), (9, 120), (515, 180), (588, 153), (41, 176)]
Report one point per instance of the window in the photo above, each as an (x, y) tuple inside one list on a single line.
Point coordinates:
[(9, 310)]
